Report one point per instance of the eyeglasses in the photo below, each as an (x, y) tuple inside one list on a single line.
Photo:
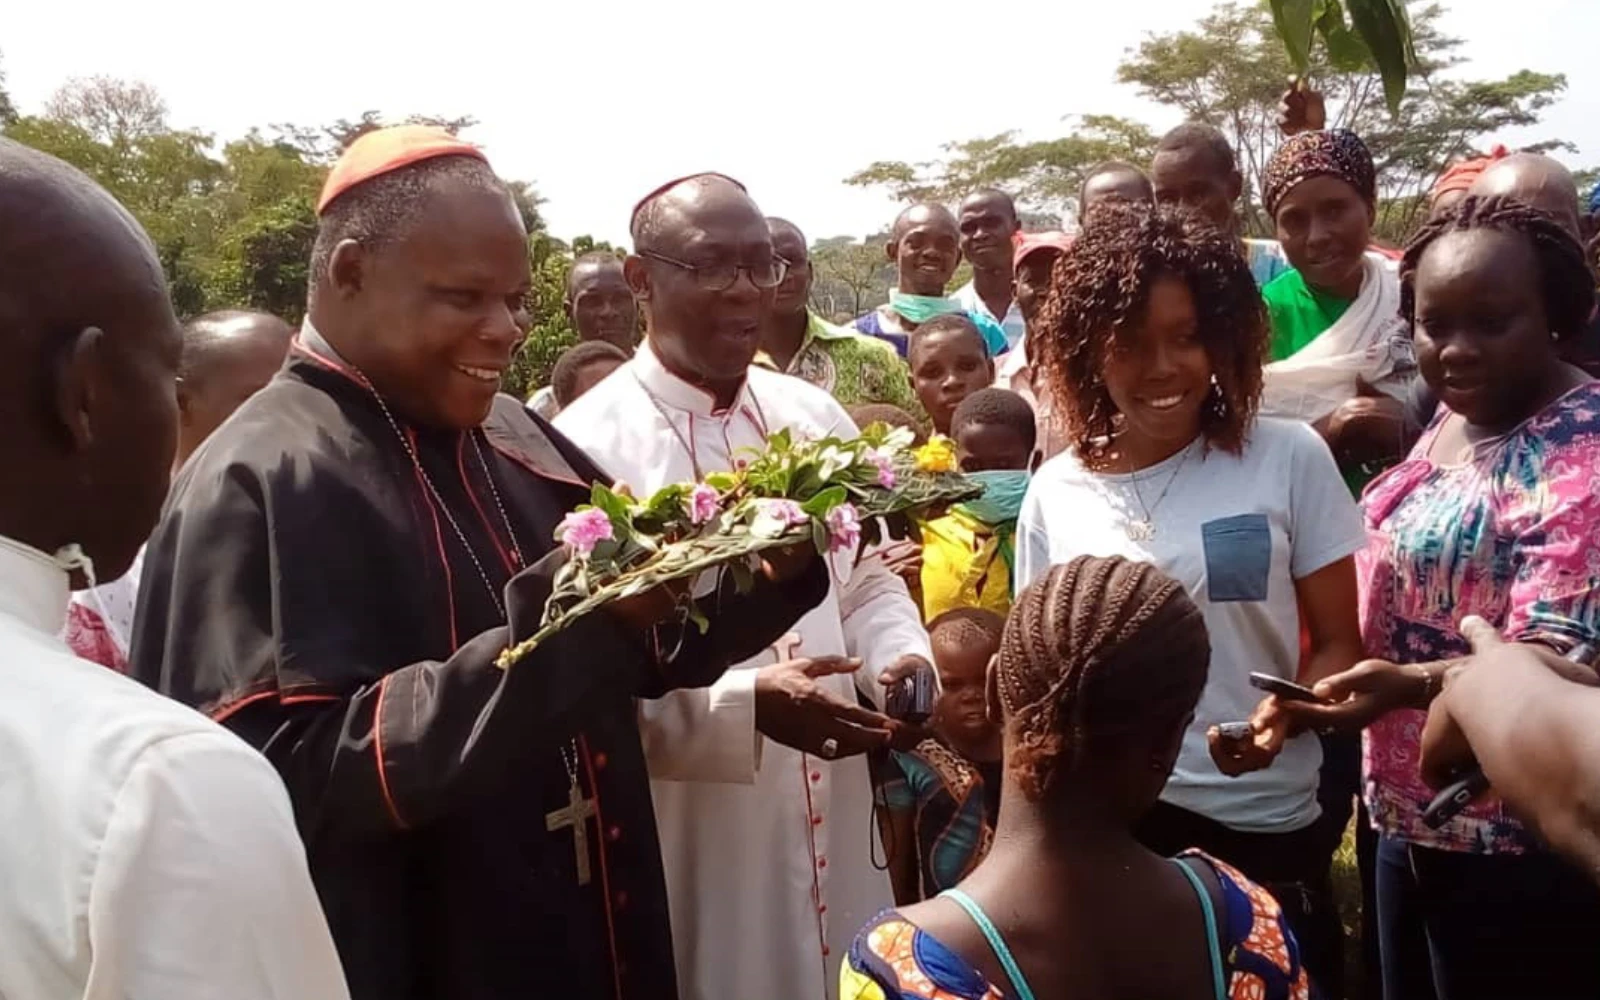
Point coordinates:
[(720, 277)]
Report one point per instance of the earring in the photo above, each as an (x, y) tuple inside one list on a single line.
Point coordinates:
[(1554, 335)]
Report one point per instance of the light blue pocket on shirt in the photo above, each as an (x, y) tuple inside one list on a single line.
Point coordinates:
[(1238, 557)]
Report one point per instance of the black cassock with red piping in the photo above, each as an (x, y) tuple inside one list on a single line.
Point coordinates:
[(327, 581)]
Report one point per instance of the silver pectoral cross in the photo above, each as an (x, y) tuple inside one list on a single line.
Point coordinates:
[(575, 814)]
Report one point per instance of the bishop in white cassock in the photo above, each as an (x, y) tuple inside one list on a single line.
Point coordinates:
[(769, 851)]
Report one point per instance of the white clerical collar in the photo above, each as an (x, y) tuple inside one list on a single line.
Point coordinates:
[(673, 391), (34, 587)]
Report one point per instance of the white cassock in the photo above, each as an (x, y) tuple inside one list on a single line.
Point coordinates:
[(768, 852)]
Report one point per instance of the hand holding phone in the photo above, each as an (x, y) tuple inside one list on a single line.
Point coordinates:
[(1285, 690), (910, 699)]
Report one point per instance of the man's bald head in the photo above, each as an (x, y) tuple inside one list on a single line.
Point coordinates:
[(1537, 181), (674, 205), (688, 237), (228, 357), (90, 347)]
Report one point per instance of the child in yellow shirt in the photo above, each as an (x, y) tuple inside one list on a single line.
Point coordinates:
[(967, 553)]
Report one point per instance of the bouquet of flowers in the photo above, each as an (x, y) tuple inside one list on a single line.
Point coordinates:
[(828, 492)]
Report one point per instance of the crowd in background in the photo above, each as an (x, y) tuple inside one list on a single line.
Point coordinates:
[(1275, 535)]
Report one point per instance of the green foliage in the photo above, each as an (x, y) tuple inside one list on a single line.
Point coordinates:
[(849, 277), (1229, 70), (236, 231), (1042, 176), (1381, 38), (8, 111), (549, 330)]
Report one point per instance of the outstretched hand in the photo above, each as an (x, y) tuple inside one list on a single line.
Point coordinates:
[(1445, 750), (1358, 697), (793, 709)]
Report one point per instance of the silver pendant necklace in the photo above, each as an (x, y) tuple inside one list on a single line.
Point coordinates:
[(1143, 529)]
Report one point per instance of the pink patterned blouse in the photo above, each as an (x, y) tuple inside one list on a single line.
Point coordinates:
[(1511, 534)]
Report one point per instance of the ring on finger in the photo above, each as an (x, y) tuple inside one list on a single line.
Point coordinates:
[(830, 748)]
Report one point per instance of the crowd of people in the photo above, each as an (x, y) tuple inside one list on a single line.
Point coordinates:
[(1273, 534)]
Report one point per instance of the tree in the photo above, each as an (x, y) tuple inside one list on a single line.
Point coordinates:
[(8, 111), (1043, 176), (549, 332), (1230, 70), (849, 277), (111, 111), (322, 144)]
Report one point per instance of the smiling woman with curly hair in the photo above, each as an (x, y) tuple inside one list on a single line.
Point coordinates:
[(1150, 347), (1097, 294)]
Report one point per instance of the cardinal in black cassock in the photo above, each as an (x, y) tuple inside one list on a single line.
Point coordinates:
[(333, 577)]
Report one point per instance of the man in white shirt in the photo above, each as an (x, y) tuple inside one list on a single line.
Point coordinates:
[(767, 834), (989, 228), (149, 855)]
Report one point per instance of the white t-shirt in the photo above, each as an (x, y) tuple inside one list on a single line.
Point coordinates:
[(1236, 531)]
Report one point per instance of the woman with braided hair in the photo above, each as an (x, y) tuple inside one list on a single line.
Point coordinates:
[(1100, 667), (1150, 346), (1495, 513)]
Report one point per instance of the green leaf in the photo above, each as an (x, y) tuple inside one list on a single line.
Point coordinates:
[(743, 577), (819, 537), (722, 482), (1383, 26), (615, 507), (1293, 19), (1346, 52), (819, 505)]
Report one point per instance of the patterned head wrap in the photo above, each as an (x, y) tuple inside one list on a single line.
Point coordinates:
[(1335, 153)]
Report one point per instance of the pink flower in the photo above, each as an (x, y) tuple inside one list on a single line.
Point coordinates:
[(703, 504), (581, 530), (844, 527), (885, 464), (775, 517)]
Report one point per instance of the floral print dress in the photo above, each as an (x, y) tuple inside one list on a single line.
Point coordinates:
[(893, 959), (1512, 534)]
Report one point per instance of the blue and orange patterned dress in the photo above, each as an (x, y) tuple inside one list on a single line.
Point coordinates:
[(893, 959)]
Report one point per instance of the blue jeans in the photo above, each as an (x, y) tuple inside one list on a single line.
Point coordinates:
[(1457, 926)]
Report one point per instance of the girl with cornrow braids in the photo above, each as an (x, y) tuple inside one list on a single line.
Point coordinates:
[(1150, 347), (1100, 667), (1496, 513)]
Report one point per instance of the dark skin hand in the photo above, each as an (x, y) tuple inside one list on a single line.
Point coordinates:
[(1446, 748), (1328, 605), (663, 604), (1301, 109), (793, 709), (1369, 428)]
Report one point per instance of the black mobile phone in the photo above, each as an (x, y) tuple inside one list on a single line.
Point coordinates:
[(1235, 730), (1457, 795), (1287, 690), (911, 699)]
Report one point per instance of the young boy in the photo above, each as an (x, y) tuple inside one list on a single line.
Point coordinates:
[(967, 553), (583, 367), (949, 362), (943, 796)]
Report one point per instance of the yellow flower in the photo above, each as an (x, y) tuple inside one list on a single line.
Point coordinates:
[(938, 455)]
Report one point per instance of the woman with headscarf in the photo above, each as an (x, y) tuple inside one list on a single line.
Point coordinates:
[(1337, 337)]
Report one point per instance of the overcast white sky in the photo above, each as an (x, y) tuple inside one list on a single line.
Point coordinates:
[(597, 102)]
